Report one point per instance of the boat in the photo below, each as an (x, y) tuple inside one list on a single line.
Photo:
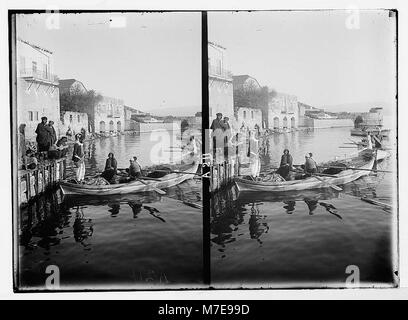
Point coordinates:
[(363, 131), (140, 185), (343, 177)]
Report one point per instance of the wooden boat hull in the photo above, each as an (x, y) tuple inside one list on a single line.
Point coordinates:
[(167, 181), (363, 133), (343, 177)]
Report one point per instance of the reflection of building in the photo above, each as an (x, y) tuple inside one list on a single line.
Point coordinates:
[(282, 111), (37, 87), (219, 83), (109, 115)]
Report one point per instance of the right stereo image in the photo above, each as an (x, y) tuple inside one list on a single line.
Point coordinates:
[(303, 144)]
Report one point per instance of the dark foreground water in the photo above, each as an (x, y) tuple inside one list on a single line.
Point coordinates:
[(133, 241), (307, 238)]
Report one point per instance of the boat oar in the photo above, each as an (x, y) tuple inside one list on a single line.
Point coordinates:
[(378, 203), (327, 183), (182, 172), (152, 187)]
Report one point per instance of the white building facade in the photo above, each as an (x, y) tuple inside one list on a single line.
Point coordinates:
[(110, 115), (219, 83), (37, 87), (283, 111)]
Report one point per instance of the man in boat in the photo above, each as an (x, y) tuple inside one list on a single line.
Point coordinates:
[(111, 167), (285, 165), (135, 170), (310, 164)]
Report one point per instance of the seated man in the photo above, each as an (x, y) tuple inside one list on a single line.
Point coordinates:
[(111, 166), (310, 164), (59, 149), (285, 165), (134, 169)]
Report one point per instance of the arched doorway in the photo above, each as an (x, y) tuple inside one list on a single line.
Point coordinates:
[(111, 128), (119, 126), (102, 126), (276, 123), (285, 123), (293, 122)]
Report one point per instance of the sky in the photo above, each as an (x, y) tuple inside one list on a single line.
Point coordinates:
[(314, 55), (153, 63)]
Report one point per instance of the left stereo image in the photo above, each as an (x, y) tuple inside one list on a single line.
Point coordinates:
[(106, 143)]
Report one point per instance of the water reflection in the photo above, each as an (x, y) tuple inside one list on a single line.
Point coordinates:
[(308, 236), (83, 228)]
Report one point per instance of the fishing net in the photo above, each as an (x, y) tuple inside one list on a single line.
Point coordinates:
[(98, 181), (273, 177)]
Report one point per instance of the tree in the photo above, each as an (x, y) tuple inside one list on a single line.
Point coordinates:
[(252, 97), (357, 121), (78, 101)]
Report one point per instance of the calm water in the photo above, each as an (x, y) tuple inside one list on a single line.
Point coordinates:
[(133, 241), (306, 238)]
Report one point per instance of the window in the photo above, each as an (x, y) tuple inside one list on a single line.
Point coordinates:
[(252, 114), (70, 118), (36, 116), (79, 118), (34, 67), (244, 114), (30, 116), (45, 71)]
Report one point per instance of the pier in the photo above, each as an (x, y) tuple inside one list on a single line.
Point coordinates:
[(32, 183)]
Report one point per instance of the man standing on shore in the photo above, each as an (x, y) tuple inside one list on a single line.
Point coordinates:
[(53, 134), (43, 134), (217, 127)]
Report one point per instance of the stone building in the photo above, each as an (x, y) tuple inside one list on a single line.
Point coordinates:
[(130, 124), (76, 121), (37, 87), (109, 115), (219, 83), (249, 102), (283, 111), (249, 117)]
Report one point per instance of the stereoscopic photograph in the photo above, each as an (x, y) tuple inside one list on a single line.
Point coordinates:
[(303, 115), (122, 147), (106, 112)]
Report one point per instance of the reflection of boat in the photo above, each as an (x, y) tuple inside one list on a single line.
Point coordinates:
[(72, 200), (340, 178), (166, 181), (266, 196)]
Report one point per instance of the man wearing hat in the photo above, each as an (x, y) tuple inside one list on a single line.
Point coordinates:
[(310, 164), (43, 135), (217, 127)]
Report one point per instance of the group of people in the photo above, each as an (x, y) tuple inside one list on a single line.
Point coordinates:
[(221, 133), (111, 169), (48, 144), (286, 165), (46, 135)]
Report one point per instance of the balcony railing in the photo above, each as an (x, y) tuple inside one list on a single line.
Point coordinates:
[(40, 75), (219, 72)]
